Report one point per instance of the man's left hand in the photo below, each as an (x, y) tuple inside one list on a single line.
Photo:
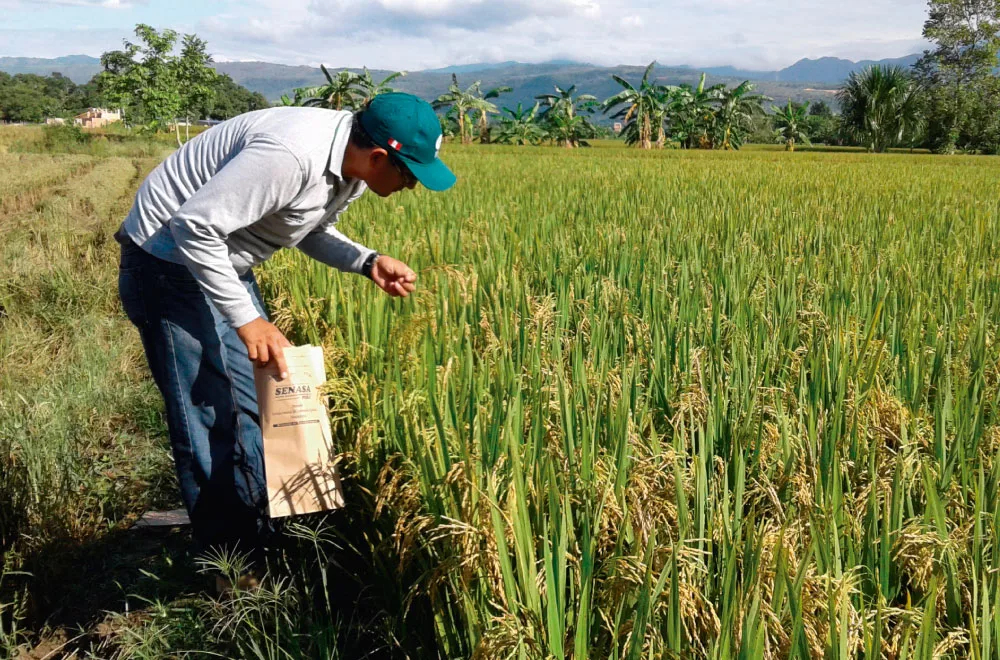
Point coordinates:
[(393, 276)]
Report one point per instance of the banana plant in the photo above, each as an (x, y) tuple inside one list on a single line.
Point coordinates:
[(692, 114), (641, 109), (462, 102), (734, 117), (520, 126), (366, 88), (790, 123), (337, 94), (484, 108), (562, 114)]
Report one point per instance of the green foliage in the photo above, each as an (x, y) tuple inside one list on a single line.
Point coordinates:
[(691, 118), (367, 88), (640, 109), (820, 109), (960, 75), (31, 98), (565, 116), (735, 115), (717, 117), (142, 79), (791, 125), (823, 125), (345, 91), (339, 93), (882, 107), (229, 99), (151, 84), (696, 435), (195, 78), (63, 139), (520, 127), (459, 103)]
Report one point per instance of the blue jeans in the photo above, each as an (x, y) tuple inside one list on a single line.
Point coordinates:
[(205, 376)]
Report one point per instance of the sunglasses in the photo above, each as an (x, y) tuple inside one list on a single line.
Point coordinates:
[(404, 171)]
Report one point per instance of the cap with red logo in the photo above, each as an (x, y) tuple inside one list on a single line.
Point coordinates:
[(409, 127)]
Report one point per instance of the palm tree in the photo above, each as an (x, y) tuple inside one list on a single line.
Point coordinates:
[(338, 92), (736, 113), (520, 127), (367, 88), (562, 114), (881, 106), (641, 109), (790, 123)]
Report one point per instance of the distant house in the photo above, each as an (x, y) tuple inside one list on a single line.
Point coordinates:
[(97, 118), (207, 122), (55, 121), (618, 127)]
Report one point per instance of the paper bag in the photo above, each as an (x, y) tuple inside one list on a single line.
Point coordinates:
[(298, 446)]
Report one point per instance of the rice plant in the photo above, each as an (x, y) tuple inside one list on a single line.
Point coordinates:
[(678, 404), (643, 404)]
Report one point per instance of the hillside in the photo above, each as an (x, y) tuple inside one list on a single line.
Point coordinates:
[(806, 80), (825, 70)]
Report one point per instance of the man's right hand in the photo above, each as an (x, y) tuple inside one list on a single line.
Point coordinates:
[(265, 344)]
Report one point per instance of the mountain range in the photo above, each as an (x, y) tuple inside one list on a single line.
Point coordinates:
[(806, 80)]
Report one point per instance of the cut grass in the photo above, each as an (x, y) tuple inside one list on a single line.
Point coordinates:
[(81, 440)]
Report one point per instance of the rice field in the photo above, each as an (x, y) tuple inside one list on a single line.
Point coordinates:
[(643, 405), (680, 404)]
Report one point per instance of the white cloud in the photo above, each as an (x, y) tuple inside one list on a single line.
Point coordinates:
[(633, 22), (414, 34), (105, 4)]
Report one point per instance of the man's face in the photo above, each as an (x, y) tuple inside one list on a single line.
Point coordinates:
[(388, 175)]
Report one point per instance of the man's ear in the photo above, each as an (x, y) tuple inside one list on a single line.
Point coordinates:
[(376, 155)]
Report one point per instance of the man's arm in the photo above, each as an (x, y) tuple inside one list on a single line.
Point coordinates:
[(263, 178), (332, 248), (327, 245)]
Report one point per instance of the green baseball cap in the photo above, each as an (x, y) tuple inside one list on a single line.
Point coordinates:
[(407, 126)]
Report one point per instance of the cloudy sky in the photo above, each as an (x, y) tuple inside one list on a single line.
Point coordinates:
[(418, 34)]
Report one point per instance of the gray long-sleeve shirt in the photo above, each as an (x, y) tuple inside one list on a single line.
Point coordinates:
[(232, 196)]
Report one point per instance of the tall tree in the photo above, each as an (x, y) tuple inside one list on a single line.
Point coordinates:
[(195, 79), (820, 109), (824, 126), (964, 92), (142, 78), (881, 106), (34, 98)]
